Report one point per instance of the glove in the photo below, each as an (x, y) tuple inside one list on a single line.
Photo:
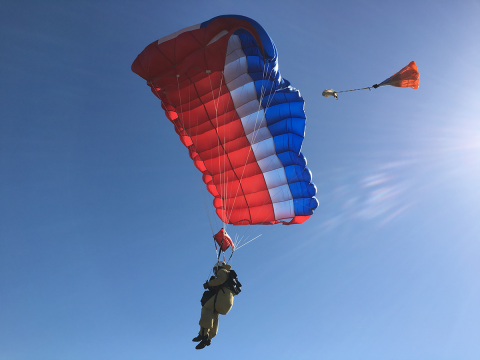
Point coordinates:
[(205, 286)]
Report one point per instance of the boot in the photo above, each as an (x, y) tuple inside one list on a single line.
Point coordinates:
[(203, 343), (199, 338)]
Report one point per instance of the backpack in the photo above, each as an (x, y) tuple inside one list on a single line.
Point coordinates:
[(233, 284)]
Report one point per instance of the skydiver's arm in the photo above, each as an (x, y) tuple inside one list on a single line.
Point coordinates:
[(222, 276)]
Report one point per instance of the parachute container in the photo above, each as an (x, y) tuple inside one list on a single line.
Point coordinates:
[(224, 240), (216, 80), (408, 77)]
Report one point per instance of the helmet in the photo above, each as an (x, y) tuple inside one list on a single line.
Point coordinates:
[(218, 265)]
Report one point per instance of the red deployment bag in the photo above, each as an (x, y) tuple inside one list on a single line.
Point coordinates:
[(224, 240)]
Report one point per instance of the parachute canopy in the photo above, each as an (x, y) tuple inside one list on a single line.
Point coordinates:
[(243, 124)]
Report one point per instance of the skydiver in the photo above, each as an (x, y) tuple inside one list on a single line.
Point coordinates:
[(217, 300)]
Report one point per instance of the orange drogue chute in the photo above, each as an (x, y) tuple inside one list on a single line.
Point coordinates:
[(408, 77)]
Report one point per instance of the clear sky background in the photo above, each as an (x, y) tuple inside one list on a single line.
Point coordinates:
[(105, 240)]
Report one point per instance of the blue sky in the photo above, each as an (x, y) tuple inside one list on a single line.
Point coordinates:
[(104, 235)]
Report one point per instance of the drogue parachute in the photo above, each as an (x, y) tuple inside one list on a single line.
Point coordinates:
[(408, 77)]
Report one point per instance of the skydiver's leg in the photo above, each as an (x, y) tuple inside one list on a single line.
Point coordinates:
[(213, 331), (207, 323), (208, 314)]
